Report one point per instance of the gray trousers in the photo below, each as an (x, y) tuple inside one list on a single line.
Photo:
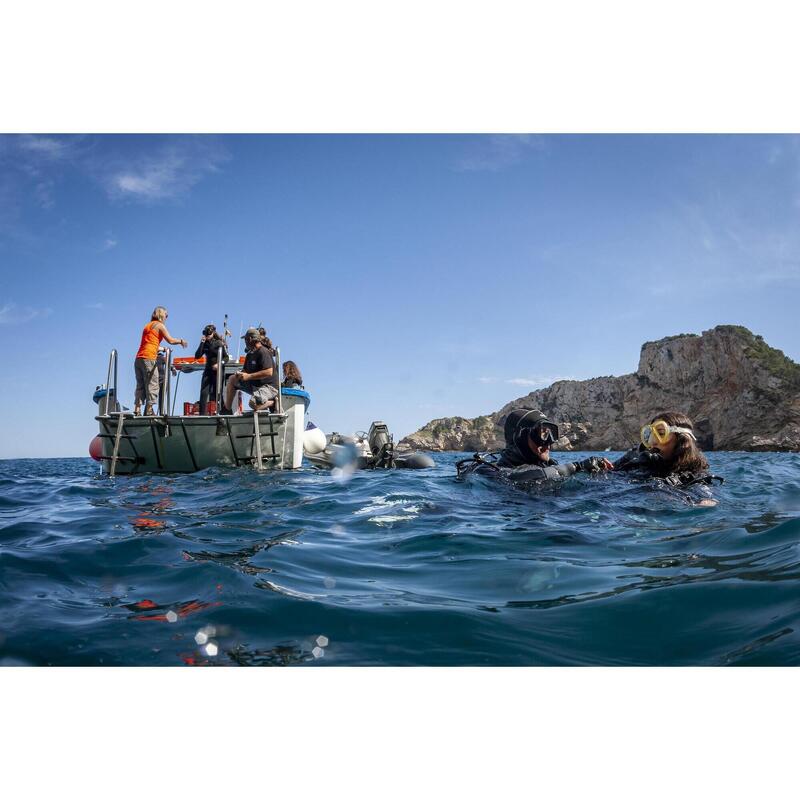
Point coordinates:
[(146, 381)]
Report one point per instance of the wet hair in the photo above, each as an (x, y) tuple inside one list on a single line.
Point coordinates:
[(290, 371), (159, 314), (687, 456)]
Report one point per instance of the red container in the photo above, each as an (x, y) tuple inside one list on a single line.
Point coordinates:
[(193, 409)]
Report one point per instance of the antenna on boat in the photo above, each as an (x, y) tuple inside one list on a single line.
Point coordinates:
[(239, 342)]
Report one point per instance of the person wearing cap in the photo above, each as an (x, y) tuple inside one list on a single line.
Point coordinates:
[(525, 459), (145, 365), (258, 378)]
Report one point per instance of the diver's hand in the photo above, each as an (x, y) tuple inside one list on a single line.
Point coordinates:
[(593, 464)]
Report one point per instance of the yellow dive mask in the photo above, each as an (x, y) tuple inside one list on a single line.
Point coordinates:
[(658, 432)]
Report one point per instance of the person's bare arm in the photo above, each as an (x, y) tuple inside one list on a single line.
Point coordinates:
[(163, 328)]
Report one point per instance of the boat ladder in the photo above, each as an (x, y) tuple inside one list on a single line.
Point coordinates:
[(256, 436)]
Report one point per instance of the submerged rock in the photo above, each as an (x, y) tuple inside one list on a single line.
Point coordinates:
[(740, 393)]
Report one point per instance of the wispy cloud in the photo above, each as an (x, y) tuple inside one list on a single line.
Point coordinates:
[(164, 174), (11, 314), (109, 243), (95, 306), (535, 381), (47, 146), (497, 152)]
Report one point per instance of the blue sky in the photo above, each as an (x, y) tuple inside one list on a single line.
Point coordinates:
[(410, 277)]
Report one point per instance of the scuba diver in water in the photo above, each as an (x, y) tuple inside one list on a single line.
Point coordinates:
[(668, 451), (526, 457)]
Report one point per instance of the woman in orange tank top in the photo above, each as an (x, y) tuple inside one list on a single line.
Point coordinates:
[(145, 363)]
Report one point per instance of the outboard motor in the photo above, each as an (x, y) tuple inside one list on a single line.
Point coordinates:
[(381, 445)]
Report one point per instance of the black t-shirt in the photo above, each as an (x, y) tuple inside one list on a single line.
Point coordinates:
[(257, 359)]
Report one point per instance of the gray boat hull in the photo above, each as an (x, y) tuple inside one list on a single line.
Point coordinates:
[(175, 444)]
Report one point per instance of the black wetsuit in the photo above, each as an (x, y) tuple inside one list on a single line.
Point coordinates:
[(643, 464), (517, 462), (211, 349), (520, 467)]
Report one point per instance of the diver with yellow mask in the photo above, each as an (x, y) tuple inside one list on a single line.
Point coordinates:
[(669, 451)]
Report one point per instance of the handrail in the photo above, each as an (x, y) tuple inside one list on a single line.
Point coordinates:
[(112, 364), (278, 367), (166, 387), (220, 374)]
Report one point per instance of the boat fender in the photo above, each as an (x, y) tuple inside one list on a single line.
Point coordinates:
[(414, 461), (96, 448), (313, 439)]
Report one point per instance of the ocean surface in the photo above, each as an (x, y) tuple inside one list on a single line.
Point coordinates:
[(232, 567)]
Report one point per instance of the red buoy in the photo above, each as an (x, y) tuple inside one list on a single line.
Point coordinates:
[(96, 448)]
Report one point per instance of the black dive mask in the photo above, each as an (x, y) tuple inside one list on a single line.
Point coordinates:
[(545, 434)]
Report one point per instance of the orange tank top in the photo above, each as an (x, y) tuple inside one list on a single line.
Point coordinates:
[(148, 348)]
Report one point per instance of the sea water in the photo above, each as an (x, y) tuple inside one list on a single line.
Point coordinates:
[(235, 567)]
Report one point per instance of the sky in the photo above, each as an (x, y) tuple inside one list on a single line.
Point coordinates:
[(410, 277)]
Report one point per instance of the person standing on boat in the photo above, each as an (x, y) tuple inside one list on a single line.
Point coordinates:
[(146, 365), (213, 347), (259, 377)]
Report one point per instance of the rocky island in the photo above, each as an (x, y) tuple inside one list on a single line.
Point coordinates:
[(741, 394)]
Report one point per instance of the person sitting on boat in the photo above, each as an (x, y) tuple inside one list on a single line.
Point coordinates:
[(212, 347), (526, 457), (292, 379), (668, 450), (258, 378), (145, 364)]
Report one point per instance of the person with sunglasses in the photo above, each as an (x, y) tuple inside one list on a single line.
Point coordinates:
[(526, 459), (668, 450)]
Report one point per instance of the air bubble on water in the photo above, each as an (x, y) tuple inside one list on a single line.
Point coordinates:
[(330, 583), (318, 652), (212, 649), (322, 641), (171, 616), (343, 474)]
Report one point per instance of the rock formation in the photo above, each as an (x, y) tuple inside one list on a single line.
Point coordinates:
[(741, 394)]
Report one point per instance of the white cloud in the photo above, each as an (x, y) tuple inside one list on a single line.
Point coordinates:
[(539, 381), (45, 146), (168, 172), (535, 381), (493, 153), (109, 243), (95, 306), (11, 314)]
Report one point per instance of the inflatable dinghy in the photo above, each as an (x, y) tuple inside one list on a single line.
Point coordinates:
[(372, 450)]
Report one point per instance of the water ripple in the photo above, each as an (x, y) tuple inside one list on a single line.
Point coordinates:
[(232, 567)]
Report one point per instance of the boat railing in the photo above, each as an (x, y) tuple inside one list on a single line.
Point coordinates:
[(112, 373), (279, 406), (220, 378), (167, 408)]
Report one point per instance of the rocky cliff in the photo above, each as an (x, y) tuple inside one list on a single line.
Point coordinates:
[(740, 393)]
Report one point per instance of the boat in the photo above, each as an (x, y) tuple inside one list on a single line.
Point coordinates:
[(373, 449), (180, 443)]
